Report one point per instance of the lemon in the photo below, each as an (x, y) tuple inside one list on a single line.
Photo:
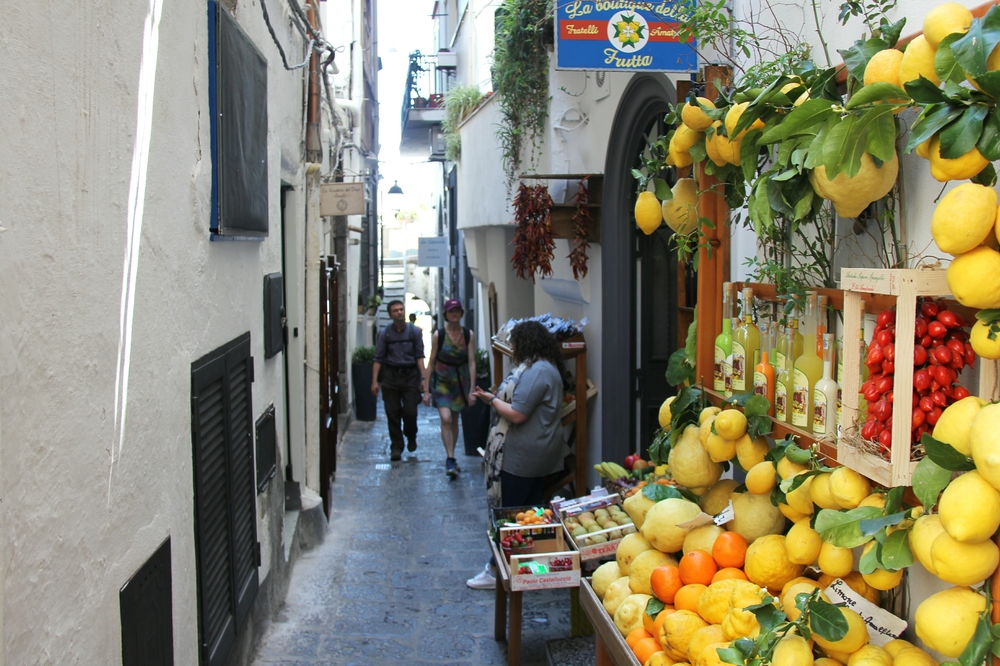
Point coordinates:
[(647, 212), (884, 67), (704, 430), (760, 479), (984, 443), (660, 527), (731, 424), (616, 593), (755, 516), (981, 344), (876, 500), (974, 278), (710, 655), (664, 416), (871, 653), (681, 212), (750, 451), (712, 143), (896, 645), (790, 592), (917, 61), (678, 629), (603, 576), (729, 151), (956, 421), (883, 579), (717, 497), (678, 158), (690, 464), (738, 623), (702, 638), (838, 657), (713, 604), (944, 169), (946, 621), (733, 117), (628, 549), (970, 508), (944, 20), (636, 507), (719, 448), (684, 137), (963, 563), (964, 218), (803, 543), (923, 149), (702, 538), (707, 413), (848, 487), (835, 561), (787, 469), (856, 638), (921, 538), (767, 562), (913, 656), (826, 661), (694, 117), (800, 500), (851, 195), (820, 492), (641, 568), (745, 594), (790, 513), (628, 615)]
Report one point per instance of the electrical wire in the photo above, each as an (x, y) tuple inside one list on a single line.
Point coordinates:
[(274, 38)]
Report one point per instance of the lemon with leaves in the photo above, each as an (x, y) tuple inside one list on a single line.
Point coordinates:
[(851, 195), (964, 217), (733, 116), (854, 640), (955, 423), (884, 67), (981, 343), (694, 117), (946, 19), (946, 621), (917, 61), (962, 167), (681, 211), (974, 278), (731, 424)]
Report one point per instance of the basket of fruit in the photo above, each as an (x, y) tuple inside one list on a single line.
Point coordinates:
[(515, 543)]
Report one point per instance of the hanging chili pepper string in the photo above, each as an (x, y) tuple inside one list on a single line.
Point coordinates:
[(582, 219), (533, 243)]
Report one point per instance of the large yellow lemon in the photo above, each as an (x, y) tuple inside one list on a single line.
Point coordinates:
[(767, 562), (835, 561), (820, 492), (694, 117), (681, 212), (661, 525), (917, 61), (974, 278), (803, 543), (664, 415), (856, 638), (690, 464), (984, 442), (956, 422), (921, 538), (970, 508), (755, 517), (963, 563), (733, 117), (731, 424), (684, 137), (750, 451), (946, 621), (884, 67), (964, 218), (848, 487), (851, 195), (944, 169), (647, 212), (760, 479), (981, 343), (946, 19)]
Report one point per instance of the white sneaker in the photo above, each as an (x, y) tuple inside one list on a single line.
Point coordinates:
[(483, 580)]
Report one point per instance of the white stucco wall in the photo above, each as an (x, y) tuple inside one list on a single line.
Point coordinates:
[(76, 526)]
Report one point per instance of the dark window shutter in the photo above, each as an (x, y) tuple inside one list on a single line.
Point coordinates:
[(225, 501)]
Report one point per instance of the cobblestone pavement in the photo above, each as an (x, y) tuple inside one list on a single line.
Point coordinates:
[(388, 583)]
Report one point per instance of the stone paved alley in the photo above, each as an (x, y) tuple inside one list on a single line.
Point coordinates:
[(388, 583)]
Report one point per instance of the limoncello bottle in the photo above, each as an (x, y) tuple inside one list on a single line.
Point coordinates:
[(824, 423), (808, 369), (746, 347), (783, 383), (763, 373), (821, 318), (840, 388), (792, 322), (724, 341)]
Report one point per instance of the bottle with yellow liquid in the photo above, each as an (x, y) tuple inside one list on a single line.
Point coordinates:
[(821, 320), (763, 374), (792, 322), (746, 347), (724, 341), (783, 383), (840, 388), (808, 369), (824, 423)]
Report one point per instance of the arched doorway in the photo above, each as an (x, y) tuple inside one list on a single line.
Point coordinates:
[(639, 294)]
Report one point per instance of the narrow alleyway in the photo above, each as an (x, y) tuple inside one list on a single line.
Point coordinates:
[(388, 583)]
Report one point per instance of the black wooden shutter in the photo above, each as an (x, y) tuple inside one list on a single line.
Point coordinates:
[(225, 498)]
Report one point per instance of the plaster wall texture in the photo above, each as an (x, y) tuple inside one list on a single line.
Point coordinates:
[(79, 516), (474, 42)]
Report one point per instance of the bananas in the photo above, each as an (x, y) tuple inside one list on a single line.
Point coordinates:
[(610, 470)]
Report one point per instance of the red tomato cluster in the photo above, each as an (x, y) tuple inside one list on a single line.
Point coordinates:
[(941, 349)]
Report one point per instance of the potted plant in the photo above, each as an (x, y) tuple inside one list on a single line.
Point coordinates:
[(362, 362), (373, 302), (476, 418)]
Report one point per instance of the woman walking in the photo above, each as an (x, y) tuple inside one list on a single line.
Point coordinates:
[(453, 364)]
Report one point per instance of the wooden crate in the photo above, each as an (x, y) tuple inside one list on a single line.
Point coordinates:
[(591, 503), (564, 570)]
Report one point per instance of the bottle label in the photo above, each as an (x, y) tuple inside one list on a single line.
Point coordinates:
[(739, 368), (780, 402), (756, 358), (819, 412), (779, 361), (800, 399), (719, 382), (727, 370), (760, 384)]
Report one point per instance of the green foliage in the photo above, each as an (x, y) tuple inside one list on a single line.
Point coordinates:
[(521, 78), (363, 355), (482, 363), (459, 102)]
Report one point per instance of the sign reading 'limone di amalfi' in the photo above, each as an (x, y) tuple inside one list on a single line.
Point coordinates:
[(621, 35)]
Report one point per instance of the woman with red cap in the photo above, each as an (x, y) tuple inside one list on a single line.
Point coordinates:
[(449, 383)]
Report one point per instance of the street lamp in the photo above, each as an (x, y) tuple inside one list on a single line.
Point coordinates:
[(395, 189)]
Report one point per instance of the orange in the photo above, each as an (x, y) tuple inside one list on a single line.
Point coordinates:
[(729, 572), (637, 635), (687, 597), (652, 625), (665, 581), (697, 566), (730, 550), (646, 648)]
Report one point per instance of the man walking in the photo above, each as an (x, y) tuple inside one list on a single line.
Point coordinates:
[(399, 353)]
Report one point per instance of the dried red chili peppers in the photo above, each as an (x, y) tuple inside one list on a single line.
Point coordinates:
[(582, 219), (533, 243)]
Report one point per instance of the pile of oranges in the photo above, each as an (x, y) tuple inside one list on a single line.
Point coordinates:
[(534, 518), (680, 587)]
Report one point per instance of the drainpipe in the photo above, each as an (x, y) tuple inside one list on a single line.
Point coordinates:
[(352, 105), (314, 150)]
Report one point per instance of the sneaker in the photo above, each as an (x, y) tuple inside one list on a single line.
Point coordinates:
[(451, 468), (396, 456), (411, 445), (483, 580)]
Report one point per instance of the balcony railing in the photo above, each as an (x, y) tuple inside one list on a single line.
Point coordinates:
[(424, 89)]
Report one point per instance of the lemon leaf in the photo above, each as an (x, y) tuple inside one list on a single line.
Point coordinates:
[(881, 139), (895, 553), (929, 479), (808, 114), (869, 560), (989, 140), (924, 91), (891, 32), (826, 620), (659, 492), (962, 135), (894, 499), (945, 64), (875, 92), (972, 50), (987, 177), (945, 455), (933, 118), (872, 525), (841, 528), (653, 607), (731, 655)]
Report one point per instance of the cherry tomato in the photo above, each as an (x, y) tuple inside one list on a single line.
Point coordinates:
[(886, 317), (960, 392), (885, 438), (948, 319), (925, 341), (956, 346), (960, 320), (929, 309), (943, 375), (888, 367), (889, 352), (939, 398), (921, 379), (926, 404), (886, 337), (943, 354), (917, 418), (920, 327), (970, 354), (936, 329), (870, 430), (957, 362), (883, 384), (919, 356), (875, 356), (882, 410), (933, 416), (871, 393), (890, 397)]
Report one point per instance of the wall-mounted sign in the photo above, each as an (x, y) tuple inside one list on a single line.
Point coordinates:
[(621, 35), (342, 199), (433, 251)]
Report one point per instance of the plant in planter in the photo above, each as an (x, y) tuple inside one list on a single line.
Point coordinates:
[(373, 302), (459, 102), (362, 364), (476, 418)]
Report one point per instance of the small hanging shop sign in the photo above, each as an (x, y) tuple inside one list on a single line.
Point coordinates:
[(622, 35)]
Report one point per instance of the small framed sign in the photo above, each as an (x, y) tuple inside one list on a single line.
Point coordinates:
[(342, 199), (433, 251)]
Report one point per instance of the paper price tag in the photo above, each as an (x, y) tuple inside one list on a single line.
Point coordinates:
[(883, 626), (726, 515), (699, 520)]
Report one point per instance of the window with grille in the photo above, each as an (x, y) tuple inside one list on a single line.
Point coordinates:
[(227, 550)]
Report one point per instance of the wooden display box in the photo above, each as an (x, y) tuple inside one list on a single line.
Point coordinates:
[(591, 503), (545, 537), (563, 571), (906, 285)]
